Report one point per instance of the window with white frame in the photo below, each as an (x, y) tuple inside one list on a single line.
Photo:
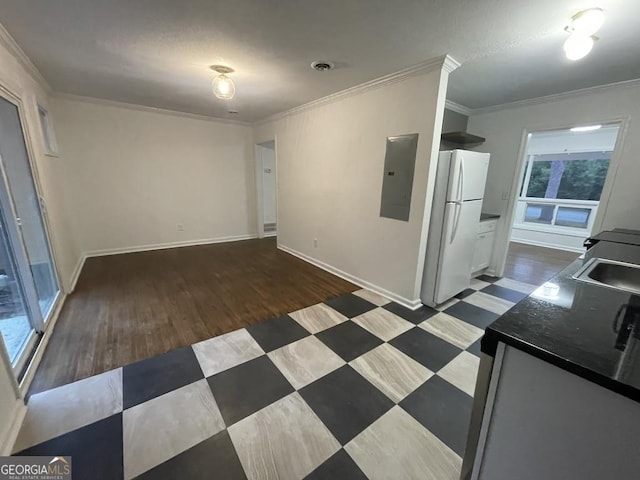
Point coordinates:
[(563, 190), (49, 139), (563, 181)]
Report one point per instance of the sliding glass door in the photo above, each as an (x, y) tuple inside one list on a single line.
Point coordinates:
[(28, 283), (15, 325)]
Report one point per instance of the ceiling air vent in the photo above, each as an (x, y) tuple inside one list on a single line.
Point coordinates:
[(322, 66)]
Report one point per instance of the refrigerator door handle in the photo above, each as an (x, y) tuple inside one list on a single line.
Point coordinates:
[(457, 168), (461, 189), (456, 221)]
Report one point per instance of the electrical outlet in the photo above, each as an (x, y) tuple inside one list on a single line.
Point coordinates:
[(180, 227), (315, 242), (505, 195)]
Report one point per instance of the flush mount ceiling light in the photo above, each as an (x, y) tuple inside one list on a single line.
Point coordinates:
[(223, 86), (587, 22), (582, 31), (586, 128), (578, 46)]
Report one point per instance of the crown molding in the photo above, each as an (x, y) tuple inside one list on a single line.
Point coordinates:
[(144, 108), (12, 46), (559, 96), (456, 107), (444, 62), (450, 64)]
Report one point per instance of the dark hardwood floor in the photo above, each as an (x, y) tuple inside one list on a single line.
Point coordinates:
[(133, 306), (535, 265)]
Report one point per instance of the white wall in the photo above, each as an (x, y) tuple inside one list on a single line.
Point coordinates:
[(562, 241), (452, 122), (268, 184), (140, 178), (330, 171), (504, 131)]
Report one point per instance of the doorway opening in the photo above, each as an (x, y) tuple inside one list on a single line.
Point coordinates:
[(266, 182), (561, 185)]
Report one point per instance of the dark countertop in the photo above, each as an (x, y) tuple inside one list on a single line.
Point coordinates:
[(575, 329), (488, 216), (618, 235)]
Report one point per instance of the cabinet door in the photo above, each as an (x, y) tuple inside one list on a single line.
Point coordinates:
[(483, 251), (580, 429)]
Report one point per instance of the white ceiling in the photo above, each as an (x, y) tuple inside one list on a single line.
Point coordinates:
[(157, 52)]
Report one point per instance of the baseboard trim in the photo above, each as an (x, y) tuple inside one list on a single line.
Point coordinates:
[(411, 304), (163, 246), (9, 440), (144, 248), (76, 273), (547, 245), (6, 443)]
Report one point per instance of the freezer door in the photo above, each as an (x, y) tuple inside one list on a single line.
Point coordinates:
[(456, 250), (467, 175)]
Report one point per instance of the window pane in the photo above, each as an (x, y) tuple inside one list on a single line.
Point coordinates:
[(14, 323), (583, 179), (539, 179), (568, 179), (573, 217), (539, 213)]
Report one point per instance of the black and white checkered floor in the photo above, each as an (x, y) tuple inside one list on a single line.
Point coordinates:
[(355, 387)]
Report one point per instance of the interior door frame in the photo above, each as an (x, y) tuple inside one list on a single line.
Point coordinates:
[(259, 190), (259, 176), (518, 179)]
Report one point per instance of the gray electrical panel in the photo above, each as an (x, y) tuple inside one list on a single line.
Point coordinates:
[(399, 165)]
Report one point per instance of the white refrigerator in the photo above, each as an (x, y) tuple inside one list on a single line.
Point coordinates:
[(455, 214)]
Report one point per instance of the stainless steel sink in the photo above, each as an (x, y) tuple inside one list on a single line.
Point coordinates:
[(611, 274)]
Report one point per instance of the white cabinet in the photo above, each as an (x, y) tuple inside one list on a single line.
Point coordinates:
[(532, 420), (483, 251), (484, 245)]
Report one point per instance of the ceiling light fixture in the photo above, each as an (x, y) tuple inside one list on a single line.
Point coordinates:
[(578, 46), (587, 22), (582, 31), (223, 86), (586, 128)]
